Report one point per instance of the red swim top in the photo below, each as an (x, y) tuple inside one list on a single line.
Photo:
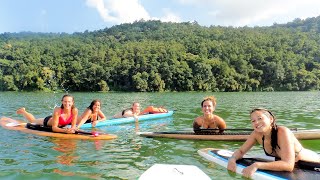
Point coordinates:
[(62, 121)]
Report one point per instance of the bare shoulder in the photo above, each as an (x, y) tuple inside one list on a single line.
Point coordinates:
[(197, 119), (283, 131), (218, 118), (256, 136), (57, 110), (75, 110)]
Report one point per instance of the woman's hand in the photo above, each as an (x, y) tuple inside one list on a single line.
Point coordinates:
[(232, 164), (248, 171), (136, 118), (69, 130), (94, 123)]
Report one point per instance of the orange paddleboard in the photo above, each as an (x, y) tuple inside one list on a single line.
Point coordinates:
[(18, 125)]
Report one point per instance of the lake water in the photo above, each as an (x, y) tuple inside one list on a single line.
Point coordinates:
[(27, 156)]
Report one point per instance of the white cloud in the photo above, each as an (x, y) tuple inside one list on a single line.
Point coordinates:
[(209, 12), (126, 11), (119, 11), (255, 12), (170, 16)]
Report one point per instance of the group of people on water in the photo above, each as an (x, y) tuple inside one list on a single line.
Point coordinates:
[(277, 141), (67, 114)]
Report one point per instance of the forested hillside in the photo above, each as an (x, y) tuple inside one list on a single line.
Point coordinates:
[(157, 56)]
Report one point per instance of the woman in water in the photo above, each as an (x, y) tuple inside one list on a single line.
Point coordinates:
[(92, 114), (208, 119), (277, 141), (65, 114)]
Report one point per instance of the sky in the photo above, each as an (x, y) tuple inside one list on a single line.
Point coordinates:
[(71, 16)]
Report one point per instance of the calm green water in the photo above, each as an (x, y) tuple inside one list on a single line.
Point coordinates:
[(27, 156)]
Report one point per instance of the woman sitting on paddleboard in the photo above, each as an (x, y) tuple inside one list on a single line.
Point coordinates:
[(134, 111), (208, 119), (92, 114), (277, 141), (62, 116)]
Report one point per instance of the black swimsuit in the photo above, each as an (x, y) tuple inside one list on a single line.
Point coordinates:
[(277, 158), (89, 120), (124, 111), (264, 149)]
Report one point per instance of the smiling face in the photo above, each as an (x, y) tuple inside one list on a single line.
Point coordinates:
[(261, 121), (207, 107), (136, 108), (96, 107), (67, 102)]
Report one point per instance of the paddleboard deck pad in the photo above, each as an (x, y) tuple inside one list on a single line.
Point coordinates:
[(110, 122), (303, 170), (224, 136), (18, 125), (176, 172)]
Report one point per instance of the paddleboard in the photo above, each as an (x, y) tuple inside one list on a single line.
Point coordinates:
[(176, 172), (118, 121), (221, 157), (19, 125), (227, 135)]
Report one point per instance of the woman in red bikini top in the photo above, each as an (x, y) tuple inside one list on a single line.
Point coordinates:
[(62, 116), (65, 115)]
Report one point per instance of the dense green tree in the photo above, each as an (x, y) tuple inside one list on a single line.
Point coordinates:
[(157, 56)]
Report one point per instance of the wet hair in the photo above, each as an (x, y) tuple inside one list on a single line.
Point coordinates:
[(209, 98), (274, 127), (67, 95), (93, 103)]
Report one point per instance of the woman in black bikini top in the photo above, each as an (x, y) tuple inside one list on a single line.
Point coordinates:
[(278, 139)]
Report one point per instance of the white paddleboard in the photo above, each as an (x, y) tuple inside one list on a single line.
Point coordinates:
[(174, 172)]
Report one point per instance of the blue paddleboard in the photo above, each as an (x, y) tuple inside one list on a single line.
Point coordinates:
[(110, 122)]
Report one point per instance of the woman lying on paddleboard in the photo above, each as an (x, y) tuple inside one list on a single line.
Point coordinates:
[(277, 141), (92, 114), (134, 111), (208, 119), (62, 116)]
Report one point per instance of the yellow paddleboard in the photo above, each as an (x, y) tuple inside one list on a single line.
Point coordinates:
[(18, 125)]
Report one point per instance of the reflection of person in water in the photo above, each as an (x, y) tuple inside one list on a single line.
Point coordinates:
[(68, 147)]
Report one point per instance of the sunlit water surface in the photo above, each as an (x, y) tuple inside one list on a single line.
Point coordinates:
[(27, 156)]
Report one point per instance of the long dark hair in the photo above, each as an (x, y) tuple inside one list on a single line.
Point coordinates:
[(92, 104), (274, 128), (67, 95)]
